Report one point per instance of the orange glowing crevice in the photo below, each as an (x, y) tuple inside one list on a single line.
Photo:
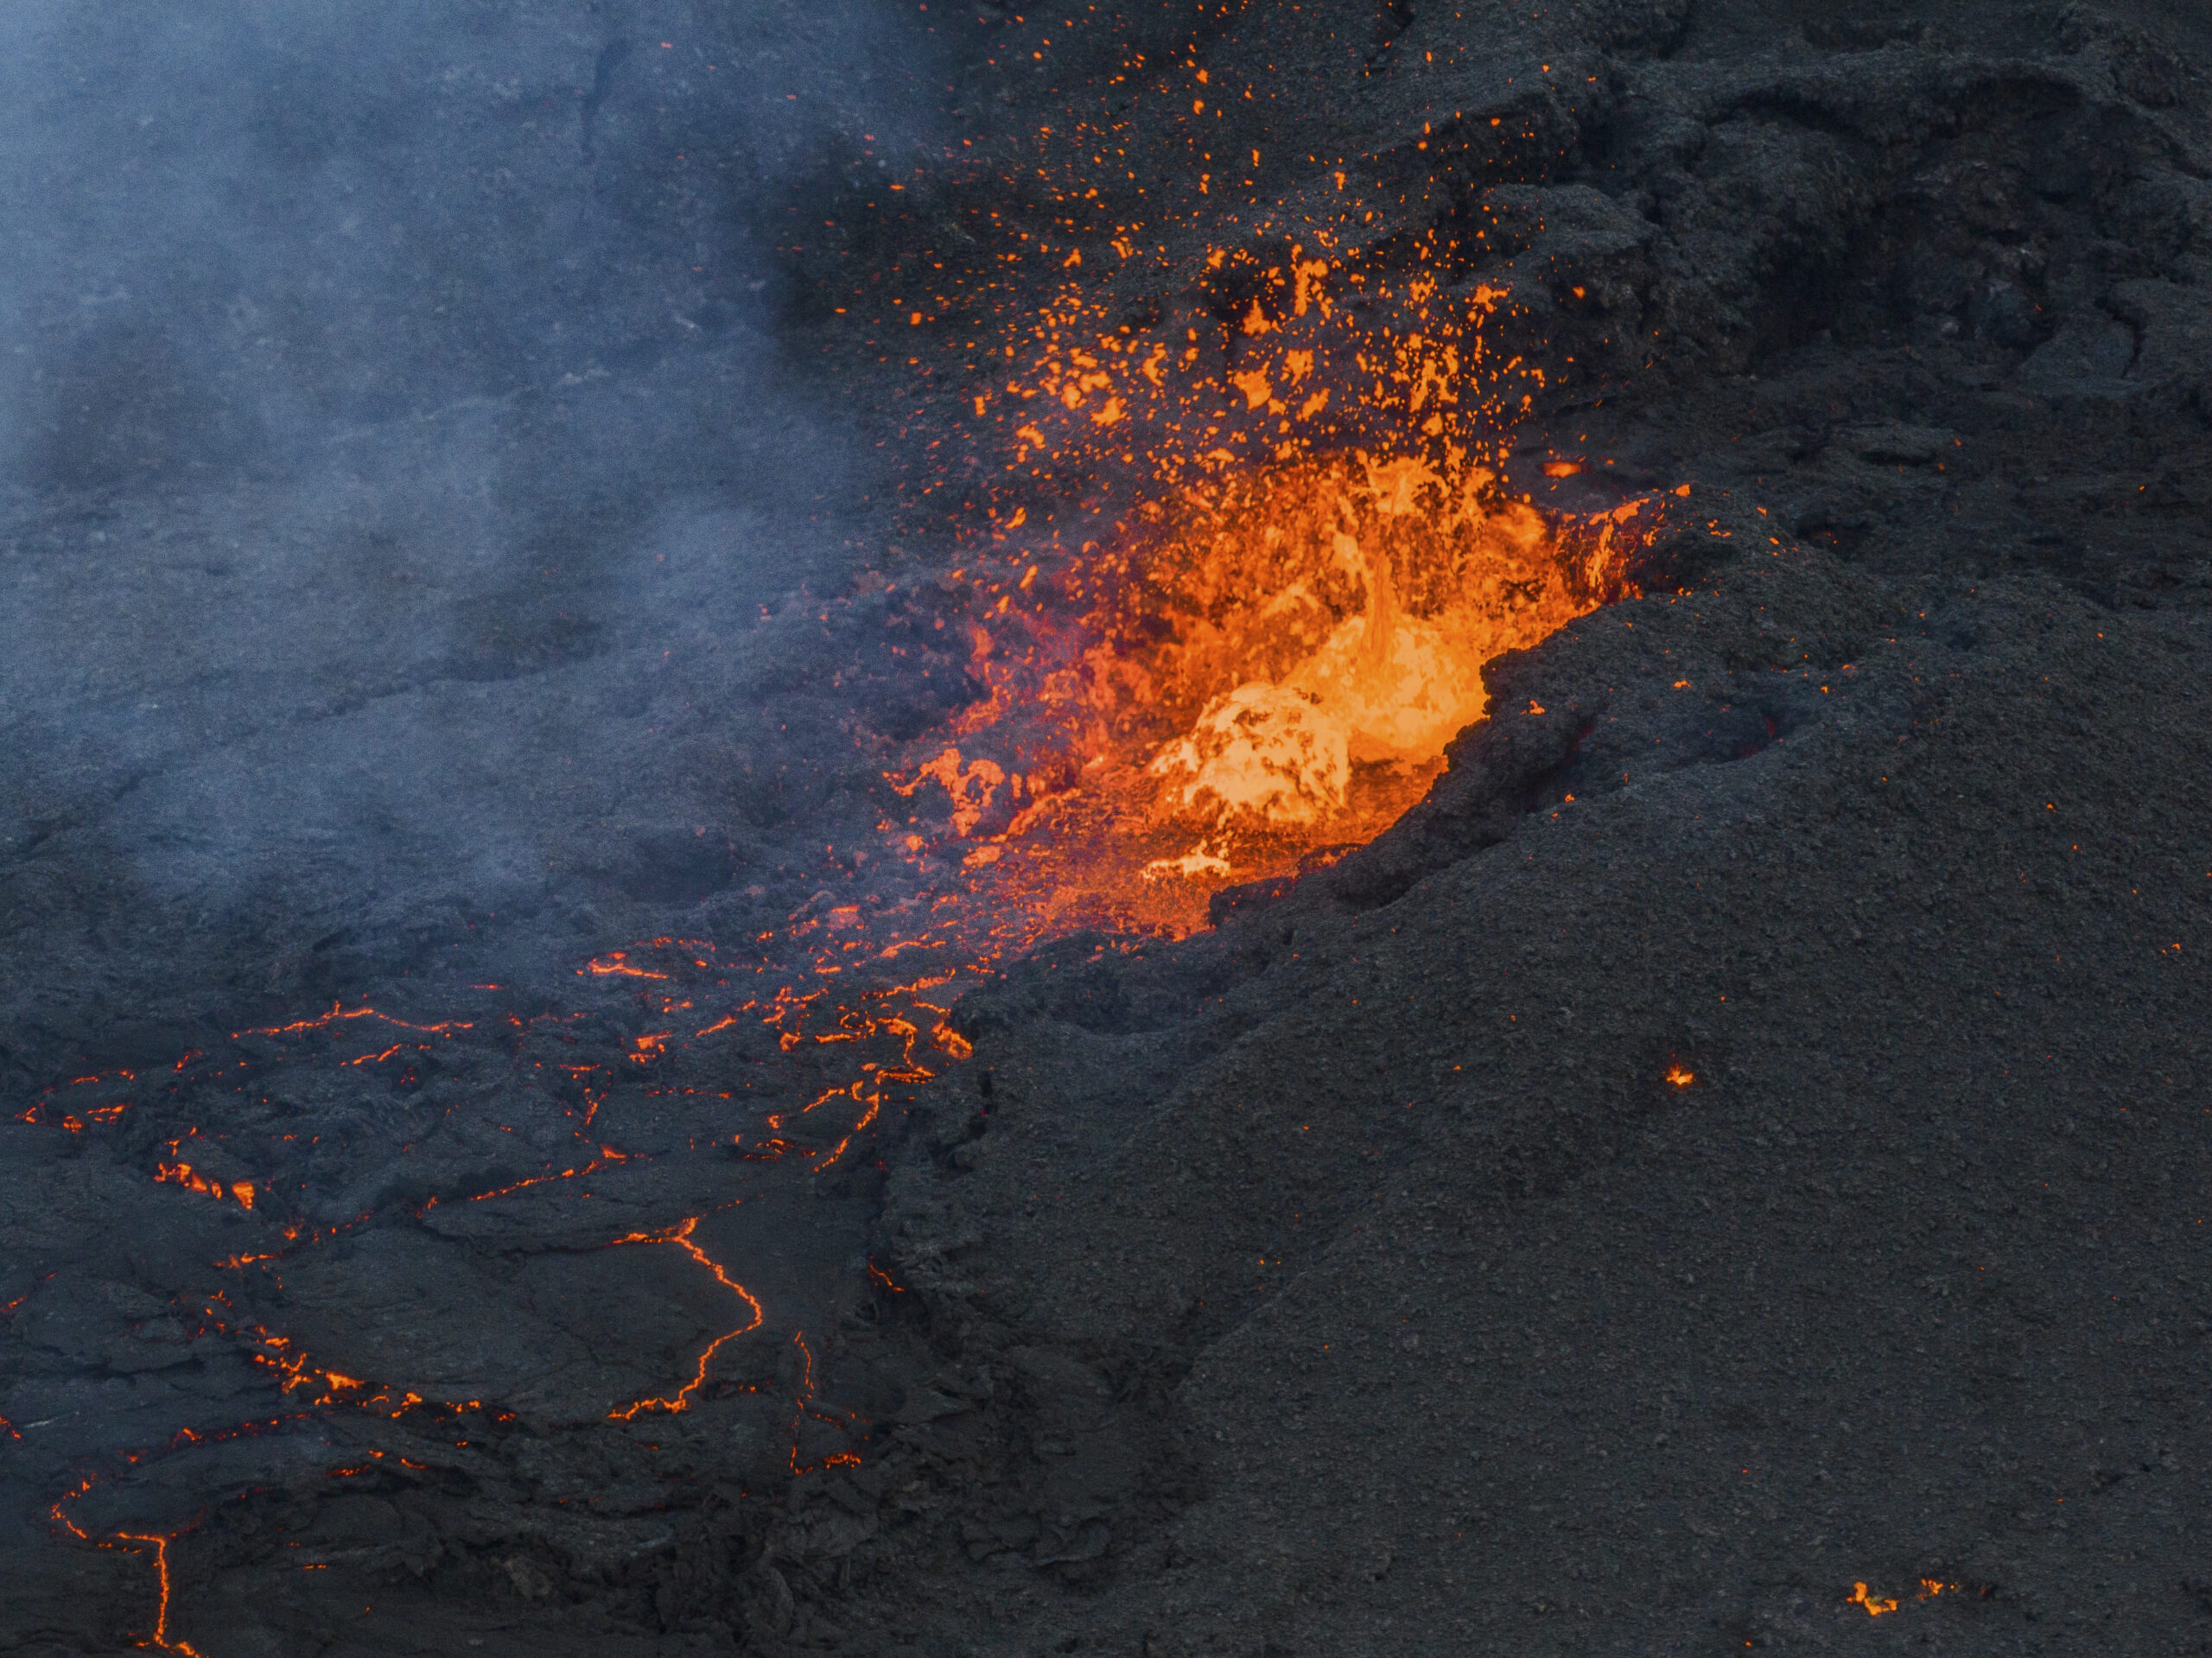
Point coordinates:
[(161, 1546), (806, 1405), (884, 1278), (8, 1308), (838, 1150), (615, 963), (1681, 1075), (339, 1013), (680, 1235), (842, 1091), (607, 1156), (40, 1113), (379, 1057)]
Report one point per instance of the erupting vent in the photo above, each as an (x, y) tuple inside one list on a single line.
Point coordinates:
[(1296, 552)]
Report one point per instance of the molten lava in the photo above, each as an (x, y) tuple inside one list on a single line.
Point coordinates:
[(680, 1235), (1250, 643), (1875, 1604), (1267, 665)]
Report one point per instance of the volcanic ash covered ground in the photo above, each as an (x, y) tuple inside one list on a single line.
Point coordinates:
[(1245, 830)]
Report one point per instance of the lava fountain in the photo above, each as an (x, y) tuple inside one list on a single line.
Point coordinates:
[(1295, 552)]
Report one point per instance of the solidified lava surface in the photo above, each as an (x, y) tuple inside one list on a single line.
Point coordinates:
[(739, 912)]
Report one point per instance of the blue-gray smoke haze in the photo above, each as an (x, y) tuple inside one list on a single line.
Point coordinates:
[(401, 427)]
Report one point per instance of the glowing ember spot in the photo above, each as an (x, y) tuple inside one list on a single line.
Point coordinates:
[(1875, 1607), (183, 1174), (1561, 468), (1679, 1076)]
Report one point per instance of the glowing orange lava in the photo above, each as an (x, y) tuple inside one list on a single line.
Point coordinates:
[(239, 1191), (339, 1013), (1253, 641), (161, 1616), (1266, 665), (808, 1406), (1875, 1605), (680, 1235), (1228, 597)]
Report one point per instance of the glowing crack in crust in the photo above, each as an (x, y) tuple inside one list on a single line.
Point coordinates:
[(680, 1235), (161, 1546)]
